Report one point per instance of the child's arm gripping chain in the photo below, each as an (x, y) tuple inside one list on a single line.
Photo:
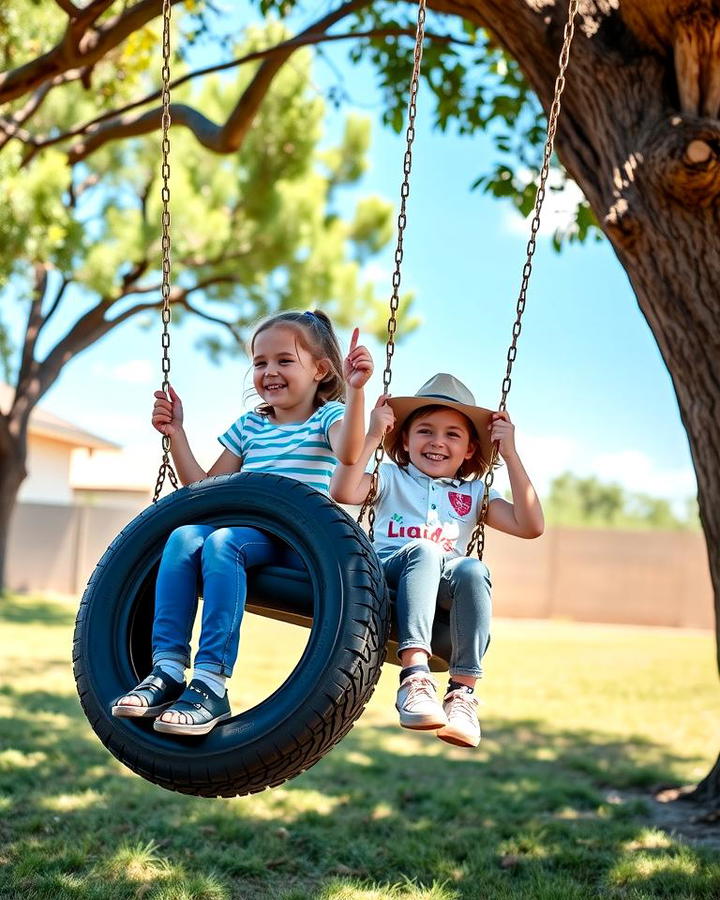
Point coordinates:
[(167, 418), (351, 484), (348, 435), (524, 516)]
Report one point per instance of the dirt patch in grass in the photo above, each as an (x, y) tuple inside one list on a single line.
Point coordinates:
[(673, 812)]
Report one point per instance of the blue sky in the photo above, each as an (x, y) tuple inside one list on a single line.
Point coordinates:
[(590, 392)]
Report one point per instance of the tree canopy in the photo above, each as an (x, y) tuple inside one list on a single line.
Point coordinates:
[(253, 231)]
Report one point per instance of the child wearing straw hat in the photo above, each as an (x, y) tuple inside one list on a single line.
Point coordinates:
[(427, 505)]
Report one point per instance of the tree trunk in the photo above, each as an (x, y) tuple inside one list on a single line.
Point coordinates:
[(708, 790), (649, 165), (12, 475)]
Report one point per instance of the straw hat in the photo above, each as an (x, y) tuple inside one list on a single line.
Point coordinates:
[(442, 390)]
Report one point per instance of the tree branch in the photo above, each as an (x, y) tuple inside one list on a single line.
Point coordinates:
[(56, 302), (145, 289), (67, 7), (87, 16), (10, 130), (517, 25), (681, 157), (137, 271), (26, 393), (85, 332), (40, 142), (79, 46), (510, 28), (232, 328), (222, 139), (94, 325), (9, 125)]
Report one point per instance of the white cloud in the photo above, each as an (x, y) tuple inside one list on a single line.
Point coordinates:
[(133, 371), (547, 456), (373, 271), (558, 212), (639, 473)]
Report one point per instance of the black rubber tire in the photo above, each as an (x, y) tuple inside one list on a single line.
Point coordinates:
[(319, 702)]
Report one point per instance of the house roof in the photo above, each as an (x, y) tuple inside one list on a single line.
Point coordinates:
[(46, 424)]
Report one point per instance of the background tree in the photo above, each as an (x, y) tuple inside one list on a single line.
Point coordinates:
[(574, 501), (639, 134)]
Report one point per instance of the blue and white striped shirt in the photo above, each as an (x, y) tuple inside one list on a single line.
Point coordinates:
[(301, 450)]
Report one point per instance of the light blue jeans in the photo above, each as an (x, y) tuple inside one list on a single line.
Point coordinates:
[(216, 559), (423, 578)]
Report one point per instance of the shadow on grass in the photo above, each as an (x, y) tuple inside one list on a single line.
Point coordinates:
[(534, 813), (22, 610)]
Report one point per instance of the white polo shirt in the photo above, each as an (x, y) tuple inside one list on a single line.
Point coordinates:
[(412, 505)]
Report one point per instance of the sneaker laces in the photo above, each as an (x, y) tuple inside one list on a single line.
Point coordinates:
[(462, 704), (420, 688)]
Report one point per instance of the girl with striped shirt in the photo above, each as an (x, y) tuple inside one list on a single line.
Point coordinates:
[(300, 430)]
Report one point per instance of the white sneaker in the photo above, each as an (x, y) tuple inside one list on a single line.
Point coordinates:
[(418, 704), (463, 728)]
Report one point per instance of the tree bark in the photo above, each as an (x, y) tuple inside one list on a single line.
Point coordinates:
[(13, 451), (708, 790)]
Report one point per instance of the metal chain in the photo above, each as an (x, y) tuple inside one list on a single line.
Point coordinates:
[(478, 535), (166, 468), (401, 223)]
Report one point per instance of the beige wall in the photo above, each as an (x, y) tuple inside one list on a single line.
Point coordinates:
[(55, 548), (629, 577), (48, 466), (644, 578), (123, 499)]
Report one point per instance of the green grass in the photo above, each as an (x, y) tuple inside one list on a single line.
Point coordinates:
[(580, 724)]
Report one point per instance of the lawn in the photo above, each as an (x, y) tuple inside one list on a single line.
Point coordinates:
[(581, 724)]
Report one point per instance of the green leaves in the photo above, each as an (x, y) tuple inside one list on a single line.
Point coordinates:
[(35, 224), (474, 87), (252, 231)]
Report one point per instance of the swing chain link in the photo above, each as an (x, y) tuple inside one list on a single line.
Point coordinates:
[(478, 535), (369, 504), (166, 468)]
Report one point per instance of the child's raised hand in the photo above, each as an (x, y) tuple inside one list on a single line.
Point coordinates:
[(357, 365), (167, 416), (382, 418), (502, 431)]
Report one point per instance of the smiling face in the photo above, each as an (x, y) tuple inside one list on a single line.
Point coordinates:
[(438, 442), (285, 374)]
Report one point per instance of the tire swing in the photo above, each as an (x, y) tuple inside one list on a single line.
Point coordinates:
[(295, 726)]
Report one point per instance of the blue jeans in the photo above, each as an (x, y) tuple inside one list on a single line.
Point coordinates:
[(424, 577), (218, 559)]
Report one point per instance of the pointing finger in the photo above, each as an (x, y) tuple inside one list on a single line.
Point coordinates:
[(354, 339)]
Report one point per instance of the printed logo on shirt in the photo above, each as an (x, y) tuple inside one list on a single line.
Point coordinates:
[(444, 537), (461, 503)]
